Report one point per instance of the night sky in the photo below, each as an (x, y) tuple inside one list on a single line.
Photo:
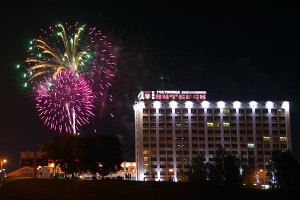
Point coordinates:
[(234, 52)]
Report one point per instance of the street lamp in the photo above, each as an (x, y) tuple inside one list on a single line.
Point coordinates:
[(171, 170), (263, 175), (1, 163)]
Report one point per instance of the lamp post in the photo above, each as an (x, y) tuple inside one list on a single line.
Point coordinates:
[(1, 163), (262, 175), (171, 170)]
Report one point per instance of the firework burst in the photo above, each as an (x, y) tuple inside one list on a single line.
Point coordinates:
[(81, 55), (83, 50), (65, 102)]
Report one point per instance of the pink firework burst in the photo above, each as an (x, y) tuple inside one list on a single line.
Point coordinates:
[(65, 102), (102, 69)]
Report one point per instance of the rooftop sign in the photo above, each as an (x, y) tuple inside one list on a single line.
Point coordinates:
[(172, 95)]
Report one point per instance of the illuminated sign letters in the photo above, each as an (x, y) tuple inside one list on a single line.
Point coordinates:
[(173, 95)]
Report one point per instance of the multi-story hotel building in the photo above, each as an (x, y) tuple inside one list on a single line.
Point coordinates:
[(171, 127)]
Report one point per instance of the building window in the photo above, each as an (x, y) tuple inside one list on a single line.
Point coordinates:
[(178, 111), (282, 125), (200, 111), (161, 118), (226, 124), (210, 124), (281, 111), (153, 125), (210, 111), (257, 111), (283, 139), (283, 146), (201, 118), (168, 111), (226, 111), (273, 111), (146, 158), (152, 111), (266, 132), (185, 118), (264, 111), (281, 118), (249, 118), (250, 145), (161, 111), (282, 132), (257, 118), (145, 125)]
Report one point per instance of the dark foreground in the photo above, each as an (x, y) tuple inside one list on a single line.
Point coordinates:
[(44, 189)]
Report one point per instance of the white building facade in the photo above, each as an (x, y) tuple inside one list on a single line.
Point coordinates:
[(172, 127)]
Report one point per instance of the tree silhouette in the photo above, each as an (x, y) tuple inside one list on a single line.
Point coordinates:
[(102, 153), (286, 168), (197, 171)]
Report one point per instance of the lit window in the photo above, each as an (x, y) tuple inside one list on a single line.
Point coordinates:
[(226, 111), (282, 139), (250, 145), (266, 139), (146, 152), (226, 124), (210, 124)]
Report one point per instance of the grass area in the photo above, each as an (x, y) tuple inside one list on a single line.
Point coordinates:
[(44, 189)]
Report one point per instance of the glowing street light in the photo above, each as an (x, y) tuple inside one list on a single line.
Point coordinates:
[(262, 176), (1, 163)]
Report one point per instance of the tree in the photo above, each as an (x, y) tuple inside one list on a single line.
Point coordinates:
[(225, 169), (286, 168), (101, 153), (88, 155), (109, 153), (197, 170), (64, 150), (248, 174), (231, 170), (216, 169)]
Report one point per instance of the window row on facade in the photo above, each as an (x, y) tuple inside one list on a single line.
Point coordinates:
[(245, 119), (212, 111), (214, 131)]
